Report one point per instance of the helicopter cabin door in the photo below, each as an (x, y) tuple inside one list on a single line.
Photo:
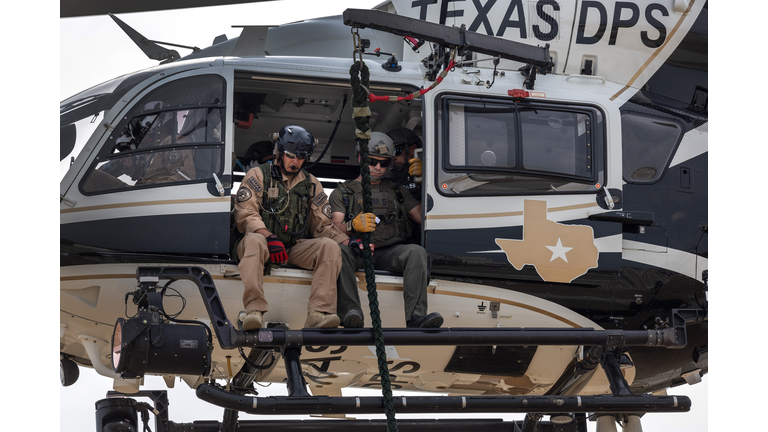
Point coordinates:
[(158, 179), (516, 188)]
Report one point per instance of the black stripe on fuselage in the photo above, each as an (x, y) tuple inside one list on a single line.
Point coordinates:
[(192, 234)]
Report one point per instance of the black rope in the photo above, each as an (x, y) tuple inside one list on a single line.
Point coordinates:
[(359, 79)]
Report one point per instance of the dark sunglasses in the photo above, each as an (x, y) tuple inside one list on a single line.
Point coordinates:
[(399, 151), (384, 163)]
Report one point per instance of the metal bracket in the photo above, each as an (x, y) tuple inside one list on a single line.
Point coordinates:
[(159, 402), (494, 307), (680, 319), (221, 325), (615, 338)]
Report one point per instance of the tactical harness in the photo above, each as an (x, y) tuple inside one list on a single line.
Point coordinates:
[(286, 214), (394, 226)]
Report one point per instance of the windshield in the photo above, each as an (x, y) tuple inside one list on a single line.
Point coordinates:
[(80, 114)]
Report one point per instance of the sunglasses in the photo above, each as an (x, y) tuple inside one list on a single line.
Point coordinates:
[(399, 151), (384, 163)]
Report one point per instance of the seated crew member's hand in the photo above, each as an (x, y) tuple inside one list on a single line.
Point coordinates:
[(276, 250), (364, 222), (357, 246), (414, 167)]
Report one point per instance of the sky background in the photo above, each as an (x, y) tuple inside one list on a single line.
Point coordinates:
[(94, 49)]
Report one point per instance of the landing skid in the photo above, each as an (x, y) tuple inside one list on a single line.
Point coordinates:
[(133, 414)]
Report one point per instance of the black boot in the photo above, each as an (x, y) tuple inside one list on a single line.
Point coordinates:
[(433, 320), (353, 319)]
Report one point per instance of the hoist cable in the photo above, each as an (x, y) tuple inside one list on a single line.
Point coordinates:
[(359, 77)]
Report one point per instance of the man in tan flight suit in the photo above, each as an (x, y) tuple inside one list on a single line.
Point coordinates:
[(284, 215)]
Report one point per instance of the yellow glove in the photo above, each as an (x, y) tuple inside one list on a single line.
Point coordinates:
[(415, 167), (364, 222)]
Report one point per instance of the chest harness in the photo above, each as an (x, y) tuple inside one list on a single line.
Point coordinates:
[(388, 205), (286, 212)]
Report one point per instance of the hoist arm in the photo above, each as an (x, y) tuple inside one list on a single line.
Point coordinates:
[(453, 37)]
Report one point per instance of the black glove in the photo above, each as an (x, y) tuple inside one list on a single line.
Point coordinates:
[(355, 244)]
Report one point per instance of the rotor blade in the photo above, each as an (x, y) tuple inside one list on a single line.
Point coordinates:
[(78, 8), (151, 49)]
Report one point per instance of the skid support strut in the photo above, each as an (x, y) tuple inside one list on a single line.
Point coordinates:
[(297, 386)]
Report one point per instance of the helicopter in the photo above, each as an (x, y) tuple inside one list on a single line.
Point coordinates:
[(637, 274)]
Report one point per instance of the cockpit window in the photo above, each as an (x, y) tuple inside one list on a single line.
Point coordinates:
[(493, 147), (81, 114), (647, 146), (174, 134)]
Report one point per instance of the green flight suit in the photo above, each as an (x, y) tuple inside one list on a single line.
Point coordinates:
[(390, 253)]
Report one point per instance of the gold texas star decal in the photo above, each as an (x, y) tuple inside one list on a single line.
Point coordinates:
[(560, 253)]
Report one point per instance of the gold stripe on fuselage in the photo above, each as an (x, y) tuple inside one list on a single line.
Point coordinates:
[(143, 204), (507, 214), (656, 53)]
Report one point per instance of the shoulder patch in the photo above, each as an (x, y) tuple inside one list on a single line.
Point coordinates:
[(254, 184), (243, 194), (319, 199), (327, 210)]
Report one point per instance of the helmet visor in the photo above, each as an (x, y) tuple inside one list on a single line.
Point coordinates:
[(299, 150)]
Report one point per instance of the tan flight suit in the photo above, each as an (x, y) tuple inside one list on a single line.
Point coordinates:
[(169, 165), (319, 253), (163, 166)]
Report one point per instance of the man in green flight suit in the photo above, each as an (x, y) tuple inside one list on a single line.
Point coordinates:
[(390, 227)]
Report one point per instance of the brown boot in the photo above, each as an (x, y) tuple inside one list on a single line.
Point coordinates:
[(253, 320), (316, 319)]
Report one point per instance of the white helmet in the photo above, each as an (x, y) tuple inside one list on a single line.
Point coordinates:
[(380, 145)]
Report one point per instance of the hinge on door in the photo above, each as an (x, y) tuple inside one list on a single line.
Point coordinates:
[(608, 199), (68, 201)]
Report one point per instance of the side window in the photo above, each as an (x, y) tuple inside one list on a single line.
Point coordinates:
[(173, 135), (481, 136), (647, 146), (492, 147), (556, 142)]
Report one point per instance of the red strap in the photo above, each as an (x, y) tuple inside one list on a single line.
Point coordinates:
[(246, 125), (373, 98)]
